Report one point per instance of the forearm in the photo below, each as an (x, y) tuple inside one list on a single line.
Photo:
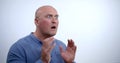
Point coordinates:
[(42, 60)]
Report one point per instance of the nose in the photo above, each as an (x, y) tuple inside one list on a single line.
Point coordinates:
[(54, 20)]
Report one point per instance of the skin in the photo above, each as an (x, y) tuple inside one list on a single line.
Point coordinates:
[(46, 21)]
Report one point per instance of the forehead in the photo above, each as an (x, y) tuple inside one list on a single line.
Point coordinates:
[(47, 10)]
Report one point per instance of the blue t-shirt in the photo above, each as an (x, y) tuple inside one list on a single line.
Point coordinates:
[(28, 50)]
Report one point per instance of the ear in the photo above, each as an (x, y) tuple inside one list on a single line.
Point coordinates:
[(36, 21)]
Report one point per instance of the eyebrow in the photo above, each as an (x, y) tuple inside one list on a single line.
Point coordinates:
[(53, 15)]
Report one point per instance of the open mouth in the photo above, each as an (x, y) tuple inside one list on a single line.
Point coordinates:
[(53, 27)]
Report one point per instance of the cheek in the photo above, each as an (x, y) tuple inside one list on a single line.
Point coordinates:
[(44, 24), (57, 22)]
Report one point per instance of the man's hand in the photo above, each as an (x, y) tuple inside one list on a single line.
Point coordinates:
[(46, 49), (69, 54)]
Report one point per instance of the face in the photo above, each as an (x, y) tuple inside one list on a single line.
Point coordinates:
[(47, 21)]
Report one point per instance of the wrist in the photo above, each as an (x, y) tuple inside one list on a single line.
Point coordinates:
[(45, 59), (70, 62)]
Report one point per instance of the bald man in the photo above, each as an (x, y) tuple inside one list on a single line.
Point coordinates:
[(41, 46)]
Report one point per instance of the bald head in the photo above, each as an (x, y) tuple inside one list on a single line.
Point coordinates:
[(46, 21), (44, 9)]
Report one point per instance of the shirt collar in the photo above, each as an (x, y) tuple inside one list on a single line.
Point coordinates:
[(35, 38)]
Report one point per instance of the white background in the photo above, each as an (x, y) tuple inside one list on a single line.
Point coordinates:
[(94, 25)]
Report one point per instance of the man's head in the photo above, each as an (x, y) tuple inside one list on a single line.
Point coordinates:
[(46, 21)]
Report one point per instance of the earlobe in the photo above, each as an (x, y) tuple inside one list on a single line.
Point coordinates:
[(36, 21)]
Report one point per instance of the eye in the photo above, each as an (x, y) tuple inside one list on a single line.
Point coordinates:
[(49, 16), (56, 16)]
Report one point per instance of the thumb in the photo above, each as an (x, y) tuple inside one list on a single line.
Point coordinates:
[(61, 49)]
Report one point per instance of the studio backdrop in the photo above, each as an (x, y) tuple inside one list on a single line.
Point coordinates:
[(94, 25)]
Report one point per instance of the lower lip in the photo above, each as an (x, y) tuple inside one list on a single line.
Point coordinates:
[(53, 29)]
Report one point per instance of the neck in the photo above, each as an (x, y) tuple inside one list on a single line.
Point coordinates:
[(40, 36)]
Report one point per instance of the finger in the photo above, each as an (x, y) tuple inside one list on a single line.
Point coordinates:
[(51, 47), (74, 49), (61, 49), (69, 49), (70, 43), (73, 46), (47, 42)]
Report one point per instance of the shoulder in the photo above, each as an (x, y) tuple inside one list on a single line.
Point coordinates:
[(20, 43), (17, 50)]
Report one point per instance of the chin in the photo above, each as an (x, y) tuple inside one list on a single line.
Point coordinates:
[(53, 34)]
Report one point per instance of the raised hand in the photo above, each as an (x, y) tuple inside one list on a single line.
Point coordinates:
[(46, 49), (69, 54)]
